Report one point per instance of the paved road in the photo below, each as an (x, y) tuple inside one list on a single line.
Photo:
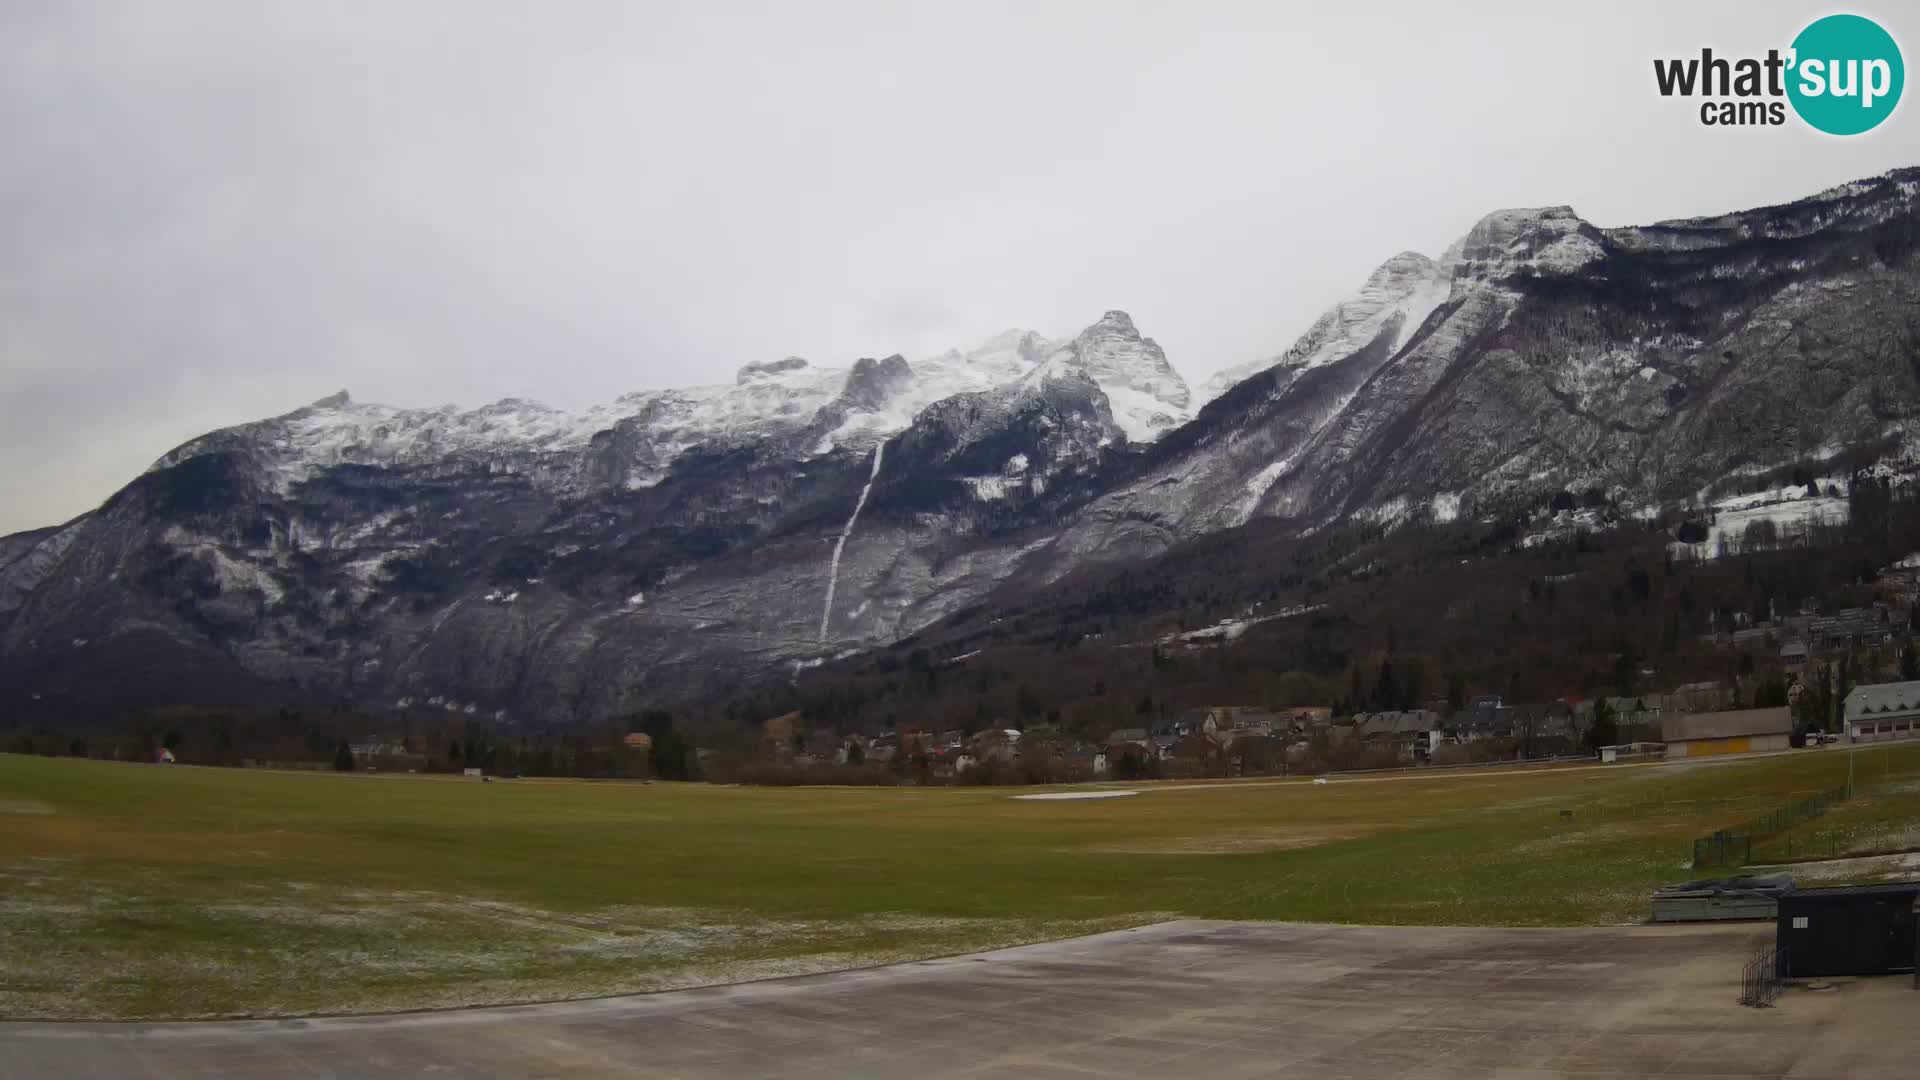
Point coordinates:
[(1181, 1000)]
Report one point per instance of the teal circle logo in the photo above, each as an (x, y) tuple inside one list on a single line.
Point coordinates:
[(1846, 76)]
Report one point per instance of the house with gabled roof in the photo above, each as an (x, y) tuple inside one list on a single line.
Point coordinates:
[(1882, 711)]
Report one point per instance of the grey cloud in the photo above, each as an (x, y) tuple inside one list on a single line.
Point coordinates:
[(214, 211)]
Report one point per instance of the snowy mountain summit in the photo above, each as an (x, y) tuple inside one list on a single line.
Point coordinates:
[(825, 408), (1394, 302), (1147, 396)]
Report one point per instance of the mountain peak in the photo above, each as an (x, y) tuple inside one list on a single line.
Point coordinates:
[(1534, 241), (762, 369), (1407, 262), (872, 382), (1400, 272), (337, 400), (1392, 305), (1147, 395)]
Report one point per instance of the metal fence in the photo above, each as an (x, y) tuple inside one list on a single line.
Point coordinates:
[(1760, 980), (1733, 846), (1723, 848)]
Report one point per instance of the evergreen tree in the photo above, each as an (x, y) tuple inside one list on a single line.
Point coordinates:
[(1605, 731)]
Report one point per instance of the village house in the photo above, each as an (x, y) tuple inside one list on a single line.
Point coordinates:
[(374, 747), (1257, 722), (1546, 730), (1473, 725), (1882, 712), (1087, 760), (1188, 722), (995, 744), (1413, 733), (1696, 697), (1864, 627)]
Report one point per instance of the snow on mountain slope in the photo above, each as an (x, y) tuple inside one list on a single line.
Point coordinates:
[(579, 565), (1001, 360), (765, 399), (1540, 353), (1247, 453), (1402, 292), (1147, 395), (844, 408), (1504, 244)]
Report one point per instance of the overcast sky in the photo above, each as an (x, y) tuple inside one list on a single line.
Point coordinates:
[(214, 212)]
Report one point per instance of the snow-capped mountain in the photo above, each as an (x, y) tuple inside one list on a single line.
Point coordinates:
[(519, 562), (1397, 297), (349, 546), (1147, 396), (1539, 354), (837, 408)]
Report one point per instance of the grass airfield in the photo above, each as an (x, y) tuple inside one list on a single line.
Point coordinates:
[(134, 891)]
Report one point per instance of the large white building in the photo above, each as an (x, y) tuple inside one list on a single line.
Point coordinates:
[(1885, 711)]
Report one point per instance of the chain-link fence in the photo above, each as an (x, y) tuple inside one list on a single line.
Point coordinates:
[(1733, 846)]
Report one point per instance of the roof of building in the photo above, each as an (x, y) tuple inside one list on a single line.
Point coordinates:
[(1882, 698), (1835, 892), (1416, 720), (1730, 724)]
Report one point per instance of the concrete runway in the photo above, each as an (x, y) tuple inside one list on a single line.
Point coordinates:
[(1184, 1000)]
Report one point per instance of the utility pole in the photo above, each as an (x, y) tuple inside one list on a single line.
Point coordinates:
[(1837, 709)]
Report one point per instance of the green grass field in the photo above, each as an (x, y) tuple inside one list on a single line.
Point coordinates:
[(148, 891)]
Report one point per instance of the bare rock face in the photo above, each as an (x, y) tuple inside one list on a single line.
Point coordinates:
[(524, 564)]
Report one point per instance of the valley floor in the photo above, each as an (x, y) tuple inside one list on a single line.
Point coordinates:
[(151, 892)]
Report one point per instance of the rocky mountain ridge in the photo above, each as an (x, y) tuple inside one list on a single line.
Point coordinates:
[(526, 564)]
